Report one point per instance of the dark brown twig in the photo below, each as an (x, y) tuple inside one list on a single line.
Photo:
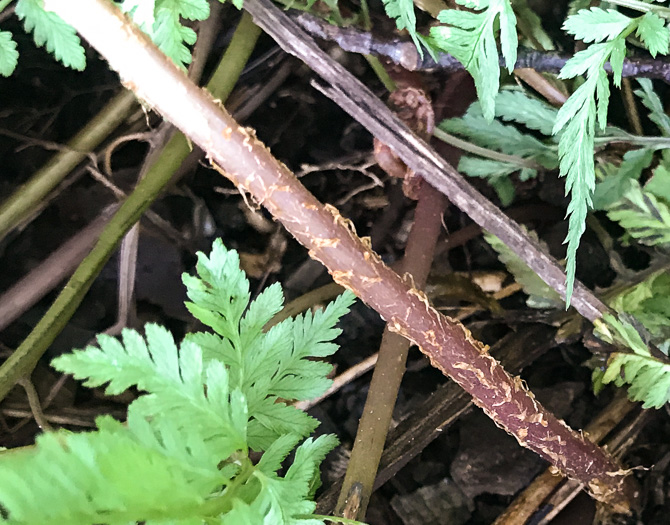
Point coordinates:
[(404, 53), (378, 411)]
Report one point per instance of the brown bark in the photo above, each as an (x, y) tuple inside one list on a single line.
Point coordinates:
[(331, 239)]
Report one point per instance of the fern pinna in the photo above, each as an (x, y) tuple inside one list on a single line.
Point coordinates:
[(183, 455)]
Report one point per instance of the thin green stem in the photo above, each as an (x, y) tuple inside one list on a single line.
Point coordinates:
[(222, 504), (483, 152), (381, 72), (332, 519), (647, 142), (643, 7), (18, 207)]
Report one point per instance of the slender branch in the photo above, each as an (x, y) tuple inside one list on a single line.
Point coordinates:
[(15, 301), (23, 202), (388, 373), (469, 147), (331, 240), (404, 53)]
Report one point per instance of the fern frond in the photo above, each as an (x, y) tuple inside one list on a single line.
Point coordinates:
[(576, 120), (161, 20), (648, 378), (471, 38), (517, 106), (182, 458), (265, 366), (107, 476), (180, 386), (653, 103), (49, 30), (540, 294), (9, 56), (643, 216), (617, 180), (220, 295)]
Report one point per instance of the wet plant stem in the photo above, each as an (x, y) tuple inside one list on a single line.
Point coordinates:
[(390, 369), (385, 384)]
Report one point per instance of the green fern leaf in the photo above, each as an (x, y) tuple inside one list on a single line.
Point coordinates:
[(653, 103), (9, 56), (99, 477), (596, 24), (576, 120), (179, 385), (308, 457), (471, 39), (653, 33), (617, 180), (221, 294), (649, 303), (659, 184), (182, 458), (49, 30), (648, 377), (161, 19), (643, 216), (511, 105), (517, 106), (265, 366), (540, 294), (494, 135)]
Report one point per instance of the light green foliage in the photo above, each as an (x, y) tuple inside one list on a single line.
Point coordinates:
[(267, 366), (162, 21), (540, 294), (653, 33), (9, 56), (606, 30), (649, 303), (183, 457), (659, 184), (596, 24), (651, 101), (516, 105), (643, 216), (648, 376), (576, 120), (49, 30), (402, 11), (511, 105), (617, 180), (471, 38)]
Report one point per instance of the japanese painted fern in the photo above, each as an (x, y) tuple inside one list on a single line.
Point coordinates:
[(183, 456)]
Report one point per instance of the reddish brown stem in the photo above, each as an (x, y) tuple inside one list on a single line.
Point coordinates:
[(378, 411), (331, 240)]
